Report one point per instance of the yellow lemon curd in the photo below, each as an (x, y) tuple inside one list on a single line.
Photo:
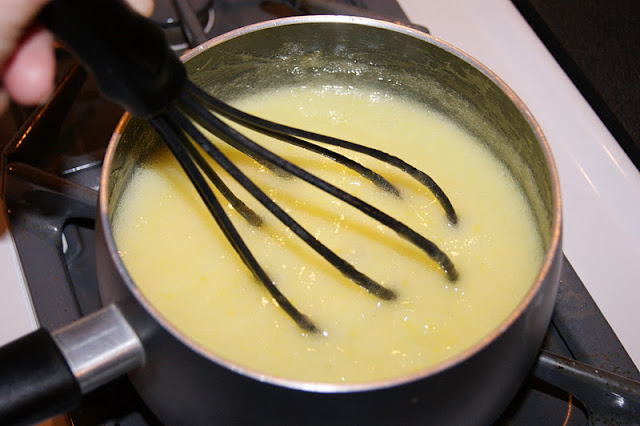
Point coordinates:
[(183, 264)]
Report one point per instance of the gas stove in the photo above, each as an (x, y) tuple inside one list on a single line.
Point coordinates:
[(46, 255)]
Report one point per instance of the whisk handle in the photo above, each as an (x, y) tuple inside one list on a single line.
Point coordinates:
[(127, 53)]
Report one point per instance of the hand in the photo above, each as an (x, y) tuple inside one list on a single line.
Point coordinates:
[(27, 61)]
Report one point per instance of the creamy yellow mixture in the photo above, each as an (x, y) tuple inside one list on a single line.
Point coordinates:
[(176, 254)]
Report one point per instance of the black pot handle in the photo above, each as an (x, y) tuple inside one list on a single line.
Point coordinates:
[(35, 381), (42, 374)]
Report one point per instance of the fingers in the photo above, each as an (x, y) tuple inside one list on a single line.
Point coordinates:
[(143, 7), (16, 17), (29, 75), (27, 62)]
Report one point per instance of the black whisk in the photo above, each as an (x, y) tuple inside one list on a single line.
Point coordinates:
[(135, 67)]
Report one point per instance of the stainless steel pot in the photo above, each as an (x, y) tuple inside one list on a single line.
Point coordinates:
[(473, 387), (182, 382)]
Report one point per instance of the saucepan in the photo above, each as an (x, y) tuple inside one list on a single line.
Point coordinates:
[(184, 383)]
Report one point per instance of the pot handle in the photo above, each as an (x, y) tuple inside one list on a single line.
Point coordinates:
[(44, 374), (35, 381)]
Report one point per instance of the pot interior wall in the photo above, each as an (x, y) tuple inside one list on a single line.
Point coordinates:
[(363, 56)]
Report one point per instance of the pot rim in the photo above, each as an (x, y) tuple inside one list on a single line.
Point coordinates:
[(329, 387)]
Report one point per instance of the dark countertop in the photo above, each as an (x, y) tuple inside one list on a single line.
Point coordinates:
[(597, 43)]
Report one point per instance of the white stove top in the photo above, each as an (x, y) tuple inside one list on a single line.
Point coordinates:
[(17, 316), (600, 186)]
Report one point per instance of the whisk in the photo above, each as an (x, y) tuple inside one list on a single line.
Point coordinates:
[(135, 67)]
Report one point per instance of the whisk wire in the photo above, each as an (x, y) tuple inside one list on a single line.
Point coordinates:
[(226, 132), (177, 142), (293, 135), (247, 121), (245, 211), (176, 126)]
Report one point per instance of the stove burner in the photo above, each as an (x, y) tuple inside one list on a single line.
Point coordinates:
[(186, 23)]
